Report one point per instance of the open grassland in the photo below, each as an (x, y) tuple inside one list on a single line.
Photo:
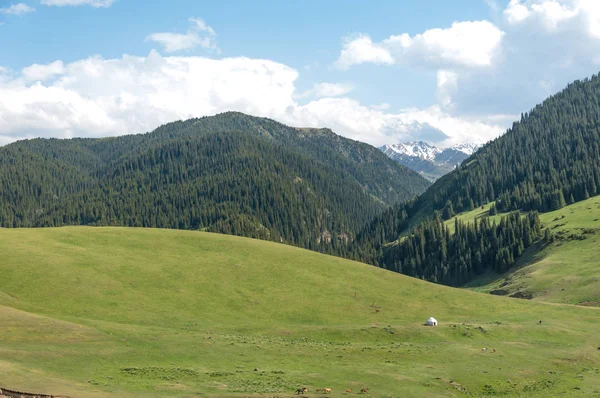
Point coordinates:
[(566, 271), (139, 312)]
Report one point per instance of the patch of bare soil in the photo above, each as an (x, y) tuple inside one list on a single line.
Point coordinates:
[(590, 303), (5, 393), (522, 295)]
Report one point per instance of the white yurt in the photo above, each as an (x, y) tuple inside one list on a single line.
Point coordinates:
[(431, 322)]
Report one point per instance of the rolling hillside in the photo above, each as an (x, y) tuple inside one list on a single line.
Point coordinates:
[(229, 173), (99, 312)]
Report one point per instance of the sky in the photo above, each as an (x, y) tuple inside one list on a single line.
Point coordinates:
[(377, 71)]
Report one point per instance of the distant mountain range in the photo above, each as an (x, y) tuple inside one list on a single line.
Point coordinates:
[(428, 160)]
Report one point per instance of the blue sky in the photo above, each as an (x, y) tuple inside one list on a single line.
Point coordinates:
[(376, 71)]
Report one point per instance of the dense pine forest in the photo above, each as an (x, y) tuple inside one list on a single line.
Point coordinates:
[(433, 253), (230, 173), (548, 159)]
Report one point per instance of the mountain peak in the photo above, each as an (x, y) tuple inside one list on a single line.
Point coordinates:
[(419, 149), (429, 160), (466, 148)]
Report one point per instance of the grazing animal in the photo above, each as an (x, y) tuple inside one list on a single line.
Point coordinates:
[(301, 390), (377, 310), (327, 390), (540, 322), (364, 390), (494, 350), (484, 350), (318, 390), (349, 390)]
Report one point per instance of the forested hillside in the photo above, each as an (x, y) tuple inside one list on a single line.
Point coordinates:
[(433, 253), (230, 173), (551, 157)]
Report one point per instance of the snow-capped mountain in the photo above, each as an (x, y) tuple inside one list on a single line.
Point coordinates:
[(468, 148), (432, 162), (420, 149)]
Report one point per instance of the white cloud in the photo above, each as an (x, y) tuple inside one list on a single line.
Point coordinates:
[(201, 26), (361, 49), (516, 12), (93, 3), (17, 9), (378, 127), (464, 44), (321, 90), (99, 97), (556, 15), (198, 35), (547, 44), (43, 72), (535, 48), (486, 76), (447, 82)]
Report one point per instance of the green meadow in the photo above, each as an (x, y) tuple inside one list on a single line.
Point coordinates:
[(127, 312), (566, 271)]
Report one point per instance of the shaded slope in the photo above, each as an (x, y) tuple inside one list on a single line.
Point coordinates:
[(229, 182), (229, 173)]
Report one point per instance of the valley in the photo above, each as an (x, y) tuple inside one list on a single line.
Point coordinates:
[(300, 199)]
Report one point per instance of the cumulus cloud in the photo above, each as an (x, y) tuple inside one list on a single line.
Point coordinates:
[(469, 44), (465, 44), (99, 97), (379, 126), (547, 44), (93, 3), (556, 15), (43, 72), (361, 49), (17, 9), (516, 12), (198, 35), (321, 90), (446, 84), (533, 50)]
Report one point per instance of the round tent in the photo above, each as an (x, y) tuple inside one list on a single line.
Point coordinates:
[(431, 322)]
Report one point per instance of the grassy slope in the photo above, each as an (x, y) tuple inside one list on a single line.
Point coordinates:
[(567, 271), (130, 312)]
